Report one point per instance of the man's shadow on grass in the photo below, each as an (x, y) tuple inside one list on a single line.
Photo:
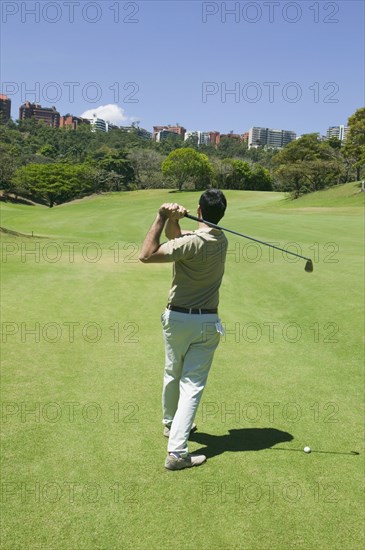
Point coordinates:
[(244, 439)]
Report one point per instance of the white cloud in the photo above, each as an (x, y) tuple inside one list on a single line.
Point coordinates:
[(110, 113)]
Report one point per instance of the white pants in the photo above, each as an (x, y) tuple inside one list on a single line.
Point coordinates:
[(190, 343)]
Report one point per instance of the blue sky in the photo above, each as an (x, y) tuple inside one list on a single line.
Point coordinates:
[(291, 65)]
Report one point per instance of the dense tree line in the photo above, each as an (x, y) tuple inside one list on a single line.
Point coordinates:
[(52, 165)]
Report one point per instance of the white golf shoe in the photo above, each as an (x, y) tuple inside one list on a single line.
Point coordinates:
[(173, 462)]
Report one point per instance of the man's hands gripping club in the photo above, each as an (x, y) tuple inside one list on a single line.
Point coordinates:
[(151, 250), (172, 211)]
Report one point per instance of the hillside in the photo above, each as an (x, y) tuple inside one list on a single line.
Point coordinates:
[(348, 194), (125, 216)]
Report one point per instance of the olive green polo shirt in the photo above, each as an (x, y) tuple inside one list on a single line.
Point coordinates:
[(199, 258)]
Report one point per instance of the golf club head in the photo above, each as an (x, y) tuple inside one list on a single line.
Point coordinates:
[(309, 266)]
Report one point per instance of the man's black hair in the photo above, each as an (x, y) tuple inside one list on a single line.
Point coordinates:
[(213, 204)]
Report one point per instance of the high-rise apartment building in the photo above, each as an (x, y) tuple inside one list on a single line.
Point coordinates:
[(164, 134), (179, 130), (257, 137), (5, 108), (231, 135), (192, 134), (49, 115), (203, 138), (337, 131), (215, 138), (287, 137), (70, 121), (268, 136), (98, 124)]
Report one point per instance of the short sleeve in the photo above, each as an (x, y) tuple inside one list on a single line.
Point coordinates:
[(181, 248)]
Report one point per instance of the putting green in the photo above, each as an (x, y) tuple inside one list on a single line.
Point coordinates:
[(82, 362)]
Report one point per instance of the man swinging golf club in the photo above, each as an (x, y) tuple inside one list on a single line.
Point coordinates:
[(191, 326)]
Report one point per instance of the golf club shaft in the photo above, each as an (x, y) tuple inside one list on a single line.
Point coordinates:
[(245, 236)]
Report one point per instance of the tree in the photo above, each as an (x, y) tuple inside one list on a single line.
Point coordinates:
[(306, 165), (291, 178), (147, 167), (246, 176), (186, 166), (262, 155), (222, 170), (192, 142), (260, 178), (354, 148), (334, 142), (8, 165), (75, 145), (169, 144), (232, 147), (112, 161), (240, 177), (48, 151), (53, 183)]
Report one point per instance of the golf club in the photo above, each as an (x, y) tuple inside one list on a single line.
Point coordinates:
[(308, 266), (353, 453)]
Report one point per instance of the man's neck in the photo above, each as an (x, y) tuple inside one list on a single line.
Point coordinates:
[(204, 226)]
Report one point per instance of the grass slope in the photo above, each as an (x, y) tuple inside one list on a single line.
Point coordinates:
[(348, 194), (82, 363)]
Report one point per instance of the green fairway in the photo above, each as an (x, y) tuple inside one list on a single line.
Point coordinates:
[(82, 363)]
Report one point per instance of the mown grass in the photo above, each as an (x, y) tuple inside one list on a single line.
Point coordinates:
[(338, 196), (85, 468)]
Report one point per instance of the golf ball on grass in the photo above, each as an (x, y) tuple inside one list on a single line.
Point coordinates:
[(307, 449)]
